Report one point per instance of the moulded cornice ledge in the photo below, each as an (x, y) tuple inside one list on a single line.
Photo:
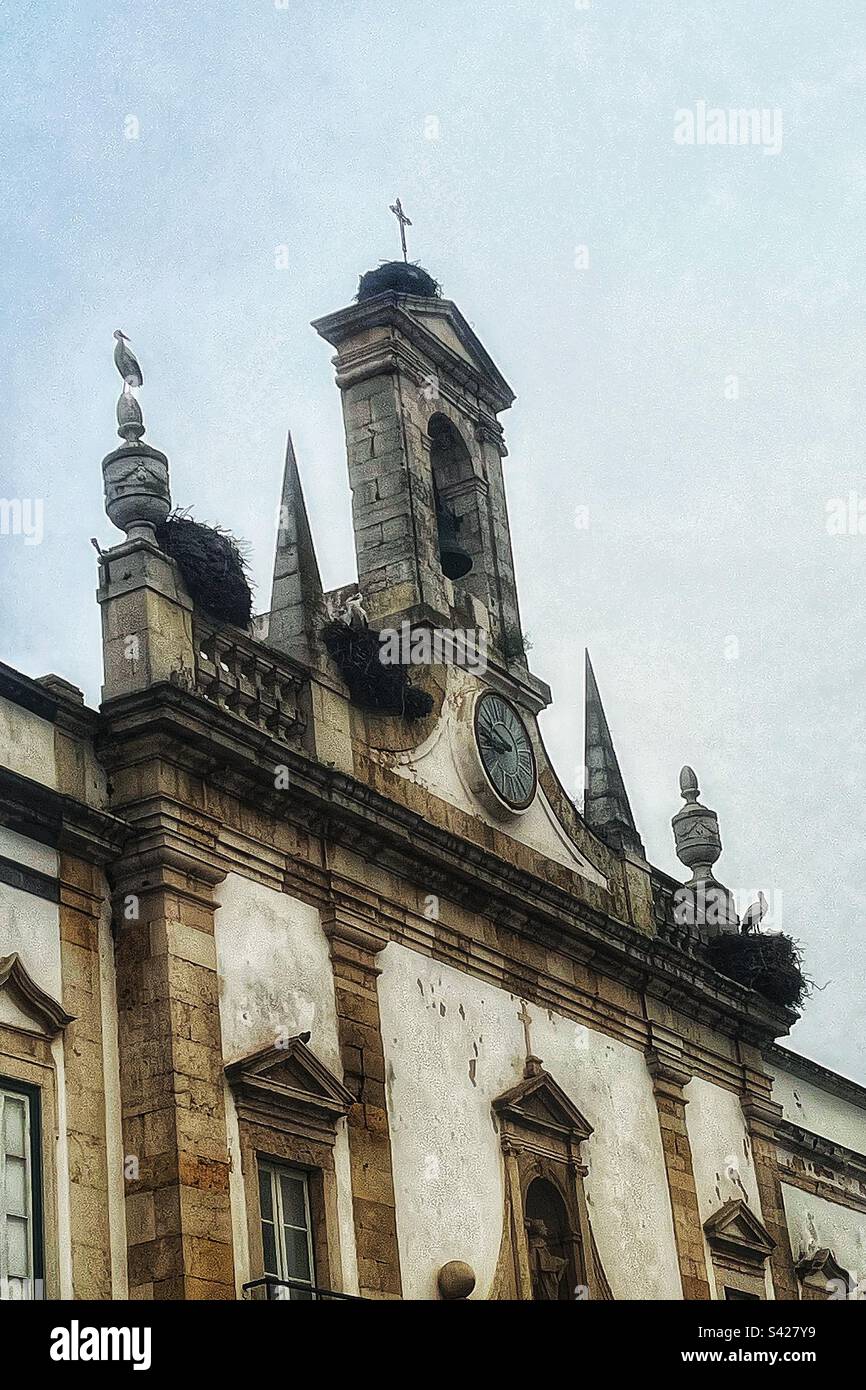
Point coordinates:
[(356, 814), (58, 820)]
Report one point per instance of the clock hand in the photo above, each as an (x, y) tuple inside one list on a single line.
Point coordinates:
[(495, 742)]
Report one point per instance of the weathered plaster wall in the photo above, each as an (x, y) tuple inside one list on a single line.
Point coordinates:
[(806, 1104), (275, 980), (721, 1152), (439, 765), (29, 924), (27, 744), (452, 1044), (816, 1224)]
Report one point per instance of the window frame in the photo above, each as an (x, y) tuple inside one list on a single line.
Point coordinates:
[(274, 1169), (31, 1095)]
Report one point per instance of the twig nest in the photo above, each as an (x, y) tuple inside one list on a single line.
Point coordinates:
[(213, 567), (398, 276), (373, 684), (768, 962)]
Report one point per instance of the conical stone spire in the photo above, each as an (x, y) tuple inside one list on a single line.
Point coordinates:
[(297, 604), (606, 806)]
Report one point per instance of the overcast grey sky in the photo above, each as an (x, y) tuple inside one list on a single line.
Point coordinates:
[(694, 376)]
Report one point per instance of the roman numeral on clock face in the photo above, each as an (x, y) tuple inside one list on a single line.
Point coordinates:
[(505, 750)]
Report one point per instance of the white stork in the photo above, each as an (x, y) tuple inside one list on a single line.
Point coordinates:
[(125, 361), (354, 614), (753, 915)]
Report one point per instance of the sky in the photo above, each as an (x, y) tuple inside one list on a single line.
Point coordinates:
[(680, 321)]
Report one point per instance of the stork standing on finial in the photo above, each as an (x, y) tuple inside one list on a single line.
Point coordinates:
[(130, 424), (125, 360)]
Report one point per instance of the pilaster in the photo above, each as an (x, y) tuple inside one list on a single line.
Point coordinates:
[(146, 619), (81, 900), (355, 944), (762, 1116), (179, 1227), (669, 1077)]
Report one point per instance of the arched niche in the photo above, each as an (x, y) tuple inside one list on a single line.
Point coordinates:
[(460, 499)]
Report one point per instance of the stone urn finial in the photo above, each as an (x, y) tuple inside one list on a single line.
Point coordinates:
[(696, 830), (137, 495), (704, 902)]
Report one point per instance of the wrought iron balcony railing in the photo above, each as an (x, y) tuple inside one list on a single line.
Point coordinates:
[(283, 1290)]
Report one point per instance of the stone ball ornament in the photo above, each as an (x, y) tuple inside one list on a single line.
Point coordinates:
[(456, 1280)]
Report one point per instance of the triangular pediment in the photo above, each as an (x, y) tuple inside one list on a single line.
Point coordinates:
[(736, 1229), (23, 1005), (539, 1102), (444, 320), (291, 1076)]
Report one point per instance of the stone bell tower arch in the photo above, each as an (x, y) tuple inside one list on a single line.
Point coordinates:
[(421, 397)]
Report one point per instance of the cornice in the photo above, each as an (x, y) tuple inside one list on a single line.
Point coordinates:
[(240, 758), (64, 823), (47, 702), (391, 310), (823, 1077), (818, 1149)]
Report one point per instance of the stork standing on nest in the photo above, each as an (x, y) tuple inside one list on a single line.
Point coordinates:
[(354, 614), (754, 915)]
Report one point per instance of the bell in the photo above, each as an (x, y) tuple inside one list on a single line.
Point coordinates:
[(454, 558)]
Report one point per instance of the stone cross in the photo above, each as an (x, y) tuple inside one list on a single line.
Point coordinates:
[(526, 1020), (397, 209)]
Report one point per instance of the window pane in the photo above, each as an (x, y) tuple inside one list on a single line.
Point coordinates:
[(294, 1206), (16, 1246), (269, 1248), (14, 1126), (265, 1194), (16, 1187), (297, 1253)]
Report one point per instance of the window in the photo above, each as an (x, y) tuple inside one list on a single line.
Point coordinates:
[(287, 1243), (20, 1191)]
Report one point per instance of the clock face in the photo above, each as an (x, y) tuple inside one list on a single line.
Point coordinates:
[(505, 749)]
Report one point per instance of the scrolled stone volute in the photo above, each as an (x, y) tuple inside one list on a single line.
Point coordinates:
[(696, 831), (137, 495)]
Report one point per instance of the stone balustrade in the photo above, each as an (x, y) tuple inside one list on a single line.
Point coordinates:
[(249, 680)]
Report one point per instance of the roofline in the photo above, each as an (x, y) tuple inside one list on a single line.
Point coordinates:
[(46, 701), (823, 1077), (390, 309)]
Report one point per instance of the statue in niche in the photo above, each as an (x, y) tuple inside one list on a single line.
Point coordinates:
[(547, 1268)]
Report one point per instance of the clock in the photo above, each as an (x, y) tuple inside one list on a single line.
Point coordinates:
[(505, 750)]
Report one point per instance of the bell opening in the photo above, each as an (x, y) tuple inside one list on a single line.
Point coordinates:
[(450, 465), (453, 557)]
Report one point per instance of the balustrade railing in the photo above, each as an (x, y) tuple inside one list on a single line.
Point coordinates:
[(240, 675)]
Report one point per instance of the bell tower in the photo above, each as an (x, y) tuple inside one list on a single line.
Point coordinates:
[(421, 397)]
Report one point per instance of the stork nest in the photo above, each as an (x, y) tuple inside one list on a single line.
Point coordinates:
[(768, 962), (398, 276), (213, 566), (373, 684)]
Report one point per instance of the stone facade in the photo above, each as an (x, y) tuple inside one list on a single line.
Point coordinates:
[(257, 942)]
